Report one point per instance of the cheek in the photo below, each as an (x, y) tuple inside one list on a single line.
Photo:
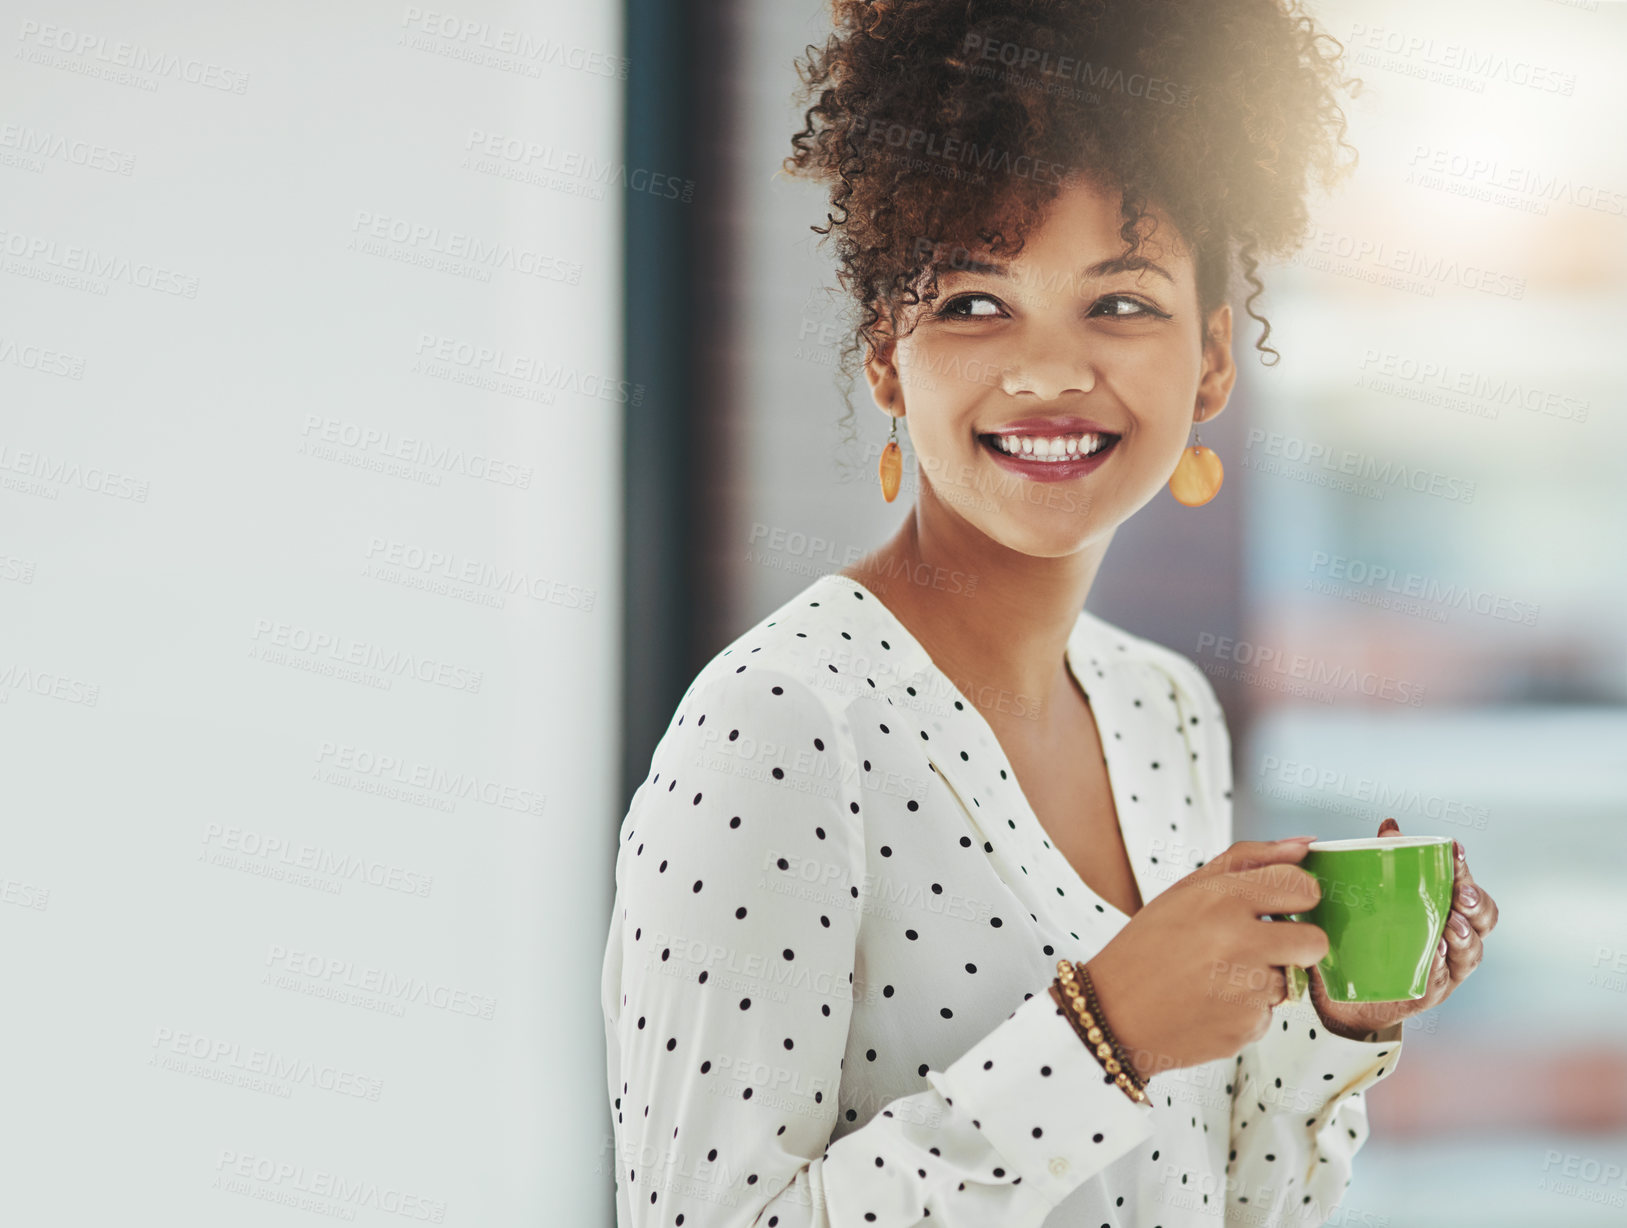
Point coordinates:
[(923, 367), (1163, 397), (1157, 381), (1168, 432), (942, 392), (1159, 448)]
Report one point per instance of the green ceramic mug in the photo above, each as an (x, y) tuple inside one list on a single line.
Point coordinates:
[(1384, 906)]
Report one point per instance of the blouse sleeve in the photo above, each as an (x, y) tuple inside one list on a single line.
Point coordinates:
[(1298, 1109), (727, 997), (1299, 1115)]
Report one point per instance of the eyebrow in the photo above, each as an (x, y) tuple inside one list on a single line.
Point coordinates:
[(1102, 268)]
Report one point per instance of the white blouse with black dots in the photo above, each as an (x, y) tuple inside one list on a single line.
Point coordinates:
[(836, 920)]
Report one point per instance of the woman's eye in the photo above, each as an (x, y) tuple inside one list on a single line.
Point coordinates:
[(953, 307), (1120, 307)]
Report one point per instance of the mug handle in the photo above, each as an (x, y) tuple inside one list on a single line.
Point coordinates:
[(1299, 982)]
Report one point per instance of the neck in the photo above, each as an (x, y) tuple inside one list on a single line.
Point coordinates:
[(995, 620)]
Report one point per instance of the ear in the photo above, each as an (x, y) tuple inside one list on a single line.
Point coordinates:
[(881, 373), (1219, 369)]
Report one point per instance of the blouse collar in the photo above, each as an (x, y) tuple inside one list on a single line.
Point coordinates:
[(987, 784)]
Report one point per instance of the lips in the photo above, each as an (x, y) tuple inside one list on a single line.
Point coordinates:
[(1052, 424)]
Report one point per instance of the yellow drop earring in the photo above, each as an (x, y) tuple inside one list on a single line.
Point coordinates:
[(892, 465), (1198, 474)]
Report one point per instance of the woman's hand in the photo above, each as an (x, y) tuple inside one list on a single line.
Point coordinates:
[(1473, 916), (1195, 973)]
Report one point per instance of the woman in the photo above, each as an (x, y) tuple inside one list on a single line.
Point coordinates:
[(881, 817)]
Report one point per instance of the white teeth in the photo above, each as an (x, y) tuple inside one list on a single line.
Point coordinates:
[(1059, 447)]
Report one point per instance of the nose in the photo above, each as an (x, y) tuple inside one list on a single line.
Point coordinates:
[(1047, 366)]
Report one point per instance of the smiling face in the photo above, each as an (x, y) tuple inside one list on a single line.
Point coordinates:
[(1049, 397)]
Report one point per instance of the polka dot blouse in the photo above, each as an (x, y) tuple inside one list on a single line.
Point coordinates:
[(836, 921)]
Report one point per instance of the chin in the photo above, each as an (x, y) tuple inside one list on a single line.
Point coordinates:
[(1041, 533), (1044, 546), (1046, 520)]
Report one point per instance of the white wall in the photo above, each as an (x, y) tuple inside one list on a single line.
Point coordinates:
[(231, 441)]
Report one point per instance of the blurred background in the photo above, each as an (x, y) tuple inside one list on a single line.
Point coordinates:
[(399, 406)]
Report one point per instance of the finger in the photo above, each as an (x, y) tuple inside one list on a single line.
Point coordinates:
[(1389, 828), (1468, 897), (1252, 985), (1319, 990), (1290, 942), (1320, 998), (1262, 1024), (1440, 973), (1249, 854), (1265, 890), (1276, 990), (1463, 946)]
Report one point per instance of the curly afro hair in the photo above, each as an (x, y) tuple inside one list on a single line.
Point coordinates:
[(948, 125)]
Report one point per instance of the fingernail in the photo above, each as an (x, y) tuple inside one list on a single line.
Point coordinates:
[(1440, 951), (1460, 927), (1469, 896), (1459, 849), (1292, 839)]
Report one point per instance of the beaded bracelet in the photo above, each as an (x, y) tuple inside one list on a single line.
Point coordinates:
[(1078, 997), (1079, 993)]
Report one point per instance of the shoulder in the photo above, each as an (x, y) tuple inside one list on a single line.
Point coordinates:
[(759, 741), (798, 659), (1154, 661)]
